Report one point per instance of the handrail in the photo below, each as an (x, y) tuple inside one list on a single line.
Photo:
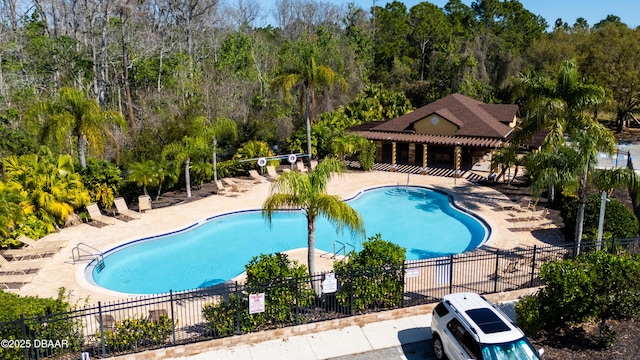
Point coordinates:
[(79, 254), (343, 248)]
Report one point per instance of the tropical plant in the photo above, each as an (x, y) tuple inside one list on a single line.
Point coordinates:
[(305, 75), (307, 192), (181, 153), (559, 107), (72, 113), (51, 188), (102, 179), (373, 277), (10, 210)]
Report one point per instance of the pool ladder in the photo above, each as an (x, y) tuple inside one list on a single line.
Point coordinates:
[(343, 248), (83, 251)]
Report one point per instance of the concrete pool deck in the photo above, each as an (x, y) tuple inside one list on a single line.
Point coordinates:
[(59, 270)]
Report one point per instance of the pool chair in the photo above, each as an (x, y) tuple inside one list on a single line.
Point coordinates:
[(29, 253), (221, 188), (97, 216), (14, 282), (300, 166), (19, 267), (272, 173), (108, 322), (237, 187), (154, 315), (41, 244), (144, 203), (123, 209), (255, 176), (313, 164)]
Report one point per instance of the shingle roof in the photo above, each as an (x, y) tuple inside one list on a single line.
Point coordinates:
[(445, 140), (473, 118)]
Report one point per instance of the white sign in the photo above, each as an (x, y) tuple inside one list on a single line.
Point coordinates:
[(330, 284), (256, 303), (262, 162), (292, 158), (412, 272)]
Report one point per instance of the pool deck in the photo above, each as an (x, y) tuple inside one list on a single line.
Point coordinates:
[(59, 270)]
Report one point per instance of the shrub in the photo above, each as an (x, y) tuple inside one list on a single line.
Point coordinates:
[(619, 221), (46, 327), (132, 333), (285, 285), (596, 286), (363, 284)]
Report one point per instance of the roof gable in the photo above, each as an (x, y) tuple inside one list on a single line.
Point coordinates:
[(473, 118)]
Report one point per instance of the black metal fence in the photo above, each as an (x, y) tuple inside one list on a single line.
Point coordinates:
[(134, 325)]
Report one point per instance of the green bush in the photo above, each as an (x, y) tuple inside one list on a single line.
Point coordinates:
[(285, 285), (597, 286), (619, 221), (46, 327), (367, 155), (361, 281), (134, 333)]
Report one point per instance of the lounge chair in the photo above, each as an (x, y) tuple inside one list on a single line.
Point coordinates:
[(300, 166), (272, 173), (20, 267), (108, 322), (123, 209), (98, 217), (30, 253), (30, 243), (313, 164), (236, 187), (255, 176), (221, 188), (14, 282), (154, 315), (144, 203)]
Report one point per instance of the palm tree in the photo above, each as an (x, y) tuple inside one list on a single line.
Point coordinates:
[(306, 76), (52, 190), (560, 107), (146, 173), (10, 209), (182, 152), (73, 113), (307, 191)]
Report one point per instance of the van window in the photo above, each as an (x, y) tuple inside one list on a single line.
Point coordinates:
[(464, 338)]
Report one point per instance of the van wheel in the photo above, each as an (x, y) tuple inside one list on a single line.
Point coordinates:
[(438, 349)]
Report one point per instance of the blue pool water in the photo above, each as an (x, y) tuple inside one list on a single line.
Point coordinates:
[(421, 220)]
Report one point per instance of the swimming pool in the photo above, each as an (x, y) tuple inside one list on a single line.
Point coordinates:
[(217, 249)]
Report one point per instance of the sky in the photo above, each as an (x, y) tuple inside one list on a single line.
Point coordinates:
[(569, 10)]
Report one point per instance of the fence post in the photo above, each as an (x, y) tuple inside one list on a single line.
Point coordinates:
[(297, 282), (404, 270), (104, 346), (23, 327), (533, 264), (495, 274), (450, 273), (237, 293), (173, 323)]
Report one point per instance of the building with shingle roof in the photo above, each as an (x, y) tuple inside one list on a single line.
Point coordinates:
[(453, 128)]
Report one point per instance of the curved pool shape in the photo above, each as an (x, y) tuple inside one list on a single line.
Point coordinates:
[(216, 250)]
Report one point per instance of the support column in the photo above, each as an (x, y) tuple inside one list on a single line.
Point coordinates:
[(393, 157), (425, 161), (458, 160), (393, 153)]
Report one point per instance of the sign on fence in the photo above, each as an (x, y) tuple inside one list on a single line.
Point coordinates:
[(443, 271), (256, 303), (330, 284)]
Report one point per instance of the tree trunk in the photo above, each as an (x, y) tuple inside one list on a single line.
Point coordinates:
[(582, 199), (311, 249), (125, 71), (81, 155), (308, 122), (187, 178)]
